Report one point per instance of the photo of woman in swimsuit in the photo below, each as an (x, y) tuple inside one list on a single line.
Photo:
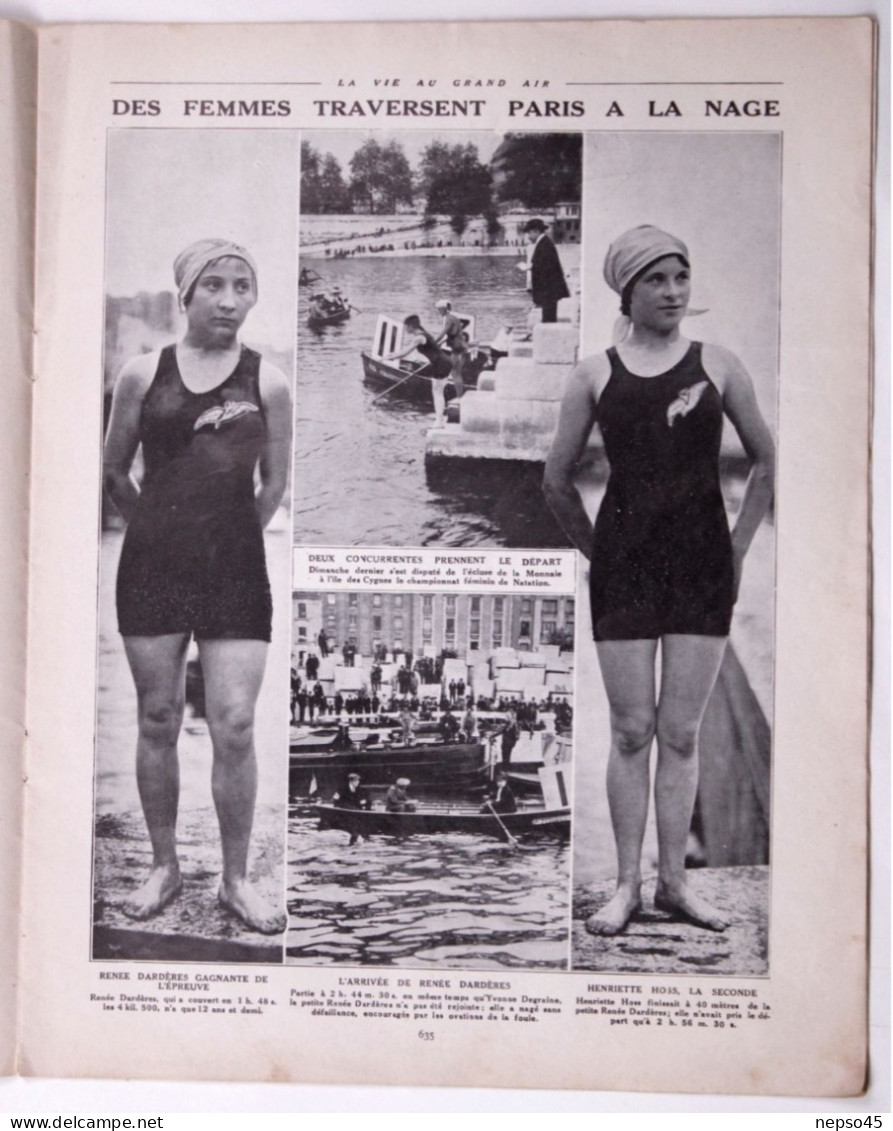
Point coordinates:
[(665, 568), (213, 420)]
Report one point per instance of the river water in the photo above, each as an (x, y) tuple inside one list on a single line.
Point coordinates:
[(360, 476), (454, 901)]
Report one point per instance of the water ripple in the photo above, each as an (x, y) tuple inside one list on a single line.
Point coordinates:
[(453, 900)]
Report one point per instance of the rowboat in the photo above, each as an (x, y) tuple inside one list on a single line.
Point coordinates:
[(318, 321), (378, 822), (412, 378), (448, 768)]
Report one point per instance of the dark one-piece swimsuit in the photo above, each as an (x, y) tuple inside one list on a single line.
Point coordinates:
[(440, 363), (193, 556), (662, 553)]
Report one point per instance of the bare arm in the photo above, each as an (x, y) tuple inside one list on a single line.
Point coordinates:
[(578, 412), (123, 435), (275, 393), (416, 339), (740, 404)]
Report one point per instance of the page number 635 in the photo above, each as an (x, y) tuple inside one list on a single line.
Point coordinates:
[(425, 1035)]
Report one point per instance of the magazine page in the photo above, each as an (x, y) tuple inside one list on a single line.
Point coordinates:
[(465, 438), (18, 88)]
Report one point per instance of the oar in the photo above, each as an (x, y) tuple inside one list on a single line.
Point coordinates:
[(397, 384), (508, 836), (356, 308)]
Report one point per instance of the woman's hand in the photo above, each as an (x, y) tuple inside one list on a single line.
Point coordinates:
[(740, 405), (737, 571), (123, 435)]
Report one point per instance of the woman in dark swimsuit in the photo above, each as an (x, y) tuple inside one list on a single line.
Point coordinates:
[(209, 414), (665, 567), (416, 339)]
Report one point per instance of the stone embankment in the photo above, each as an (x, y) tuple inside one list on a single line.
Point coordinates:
[(513, 412)]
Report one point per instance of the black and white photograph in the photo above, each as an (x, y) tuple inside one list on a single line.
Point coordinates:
[(190, 779), (679, 370), (430, 780), (438, 320)]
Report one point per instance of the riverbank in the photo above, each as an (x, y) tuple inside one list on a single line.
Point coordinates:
[(339, 237), (444, 251)]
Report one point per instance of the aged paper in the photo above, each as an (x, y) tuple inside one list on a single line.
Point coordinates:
[(147, 131), (17, 138)]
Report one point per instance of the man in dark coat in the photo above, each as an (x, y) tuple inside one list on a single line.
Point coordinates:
[(546, 283), (510, 735), (352, 796), (500, 798)]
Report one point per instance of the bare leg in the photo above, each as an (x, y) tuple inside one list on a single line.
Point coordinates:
[(158, 666), (628, 673), (234, 671), (689, 668), (437, 392)]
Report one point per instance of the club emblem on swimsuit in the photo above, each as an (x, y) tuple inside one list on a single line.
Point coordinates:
[(221, 414), (686, 401)]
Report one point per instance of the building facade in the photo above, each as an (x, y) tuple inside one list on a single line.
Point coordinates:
[(430, 623)]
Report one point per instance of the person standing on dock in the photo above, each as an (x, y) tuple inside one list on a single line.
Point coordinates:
[(510, 734), (546, 283), (407, 725), (665, 568)]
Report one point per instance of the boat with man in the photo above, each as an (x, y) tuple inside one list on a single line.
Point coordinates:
[(327, 309), (431, 819)]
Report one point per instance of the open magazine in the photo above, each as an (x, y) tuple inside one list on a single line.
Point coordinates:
[(442, 456)]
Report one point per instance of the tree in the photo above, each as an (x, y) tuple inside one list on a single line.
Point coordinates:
[(494, 229), (455, 183), (333, 190), (538, 170), (322, 185), (310, 190), (380, 177), (435, 161), (459, 222)]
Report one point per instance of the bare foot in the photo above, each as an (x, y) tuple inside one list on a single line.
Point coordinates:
[(163, 885), (241, 899), (616, 913), (681, 901)]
